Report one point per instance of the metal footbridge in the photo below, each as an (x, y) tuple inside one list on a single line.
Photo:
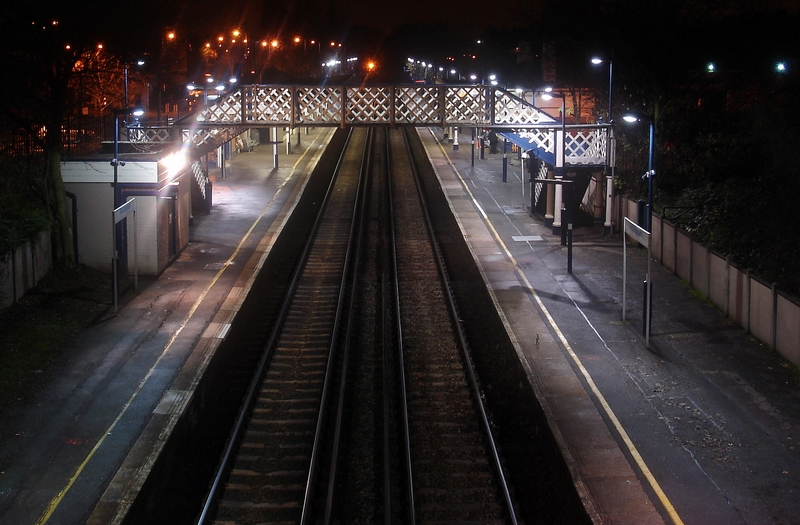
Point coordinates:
[(446, 106)]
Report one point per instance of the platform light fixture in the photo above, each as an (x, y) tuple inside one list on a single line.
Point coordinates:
[(648, 218), (116, 163), (598, 61), (631, 118)]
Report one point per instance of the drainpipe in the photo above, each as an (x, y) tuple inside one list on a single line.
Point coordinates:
[(74, 199)]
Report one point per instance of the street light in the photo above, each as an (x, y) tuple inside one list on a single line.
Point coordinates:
[(648, 218), (609, 172), (115, 162), (650, 171), (117, 228), (597, 61), (480, 60), (548, 94)]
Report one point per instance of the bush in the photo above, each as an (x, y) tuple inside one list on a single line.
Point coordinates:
[(20, 222)]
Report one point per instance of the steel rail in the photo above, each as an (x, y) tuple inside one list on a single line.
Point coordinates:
[(252, 392), (394, 285), (462, 340), (328, 383), (354, 255)]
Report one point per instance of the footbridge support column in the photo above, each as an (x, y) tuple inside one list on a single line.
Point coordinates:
[(609, 203), (274, 140), (557, 204), (550, 207)]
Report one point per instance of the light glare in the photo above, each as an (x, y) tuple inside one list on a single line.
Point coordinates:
[(174, 162)]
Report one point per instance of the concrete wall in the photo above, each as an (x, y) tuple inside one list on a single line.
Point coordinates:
[(22, 270), (767, 314), (718, 281), (761, 311), (787, 338)]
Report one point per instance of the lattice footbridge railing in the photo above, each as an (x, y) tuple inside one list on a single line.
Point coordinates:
[(476, 106)]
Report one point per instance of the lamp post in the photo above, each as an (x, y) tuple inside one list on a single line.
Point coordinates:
[(650, 171), (547, 95), (648, 219), (115, 162), (170, 38), (597, 61), (480, 61), (117, 228), (609, 172)]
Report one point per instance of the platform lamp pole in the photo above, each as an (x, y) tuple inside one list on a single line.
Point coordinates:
[(648, 219), (115, 163), (558, 219), (597, 61), (609, 170)]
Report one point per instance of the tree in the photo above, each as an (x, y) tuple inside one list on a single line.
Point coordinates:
[(45, 44)]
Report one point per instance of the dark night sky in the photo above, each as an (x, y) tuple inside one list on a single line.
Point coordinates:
[(468, 16)]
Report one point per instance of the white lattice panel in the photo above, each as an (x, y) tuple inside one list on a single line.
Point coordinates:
[(466, 106), (152, 135), (268, 105), (541, 174), (206, 139), (544, 139), (319, 105), (225, 110), (511, 110), (586, 147), (421, 105), (369, 105), (418, 105)]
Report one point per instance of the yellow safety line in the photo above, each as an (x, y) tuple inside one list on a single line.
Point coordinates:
[(673, 514), (55, 502)]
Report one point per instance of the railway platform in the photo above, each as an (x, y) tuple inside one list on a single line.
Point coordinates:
[(77, 452), (699, 428)]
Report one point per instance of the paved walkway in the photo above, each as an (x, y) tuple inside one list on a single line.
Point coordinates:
[(701, 428)]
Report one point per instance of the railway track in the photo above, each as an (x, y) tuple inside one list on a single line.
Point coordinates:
[(456, 474), (365, 407)]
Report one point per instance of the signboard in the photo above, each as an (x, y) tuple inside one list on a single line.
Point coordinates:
[(641, 235)]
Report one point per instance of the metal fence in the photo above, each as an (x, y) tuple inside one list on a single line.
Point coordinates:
[(79, 135)]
